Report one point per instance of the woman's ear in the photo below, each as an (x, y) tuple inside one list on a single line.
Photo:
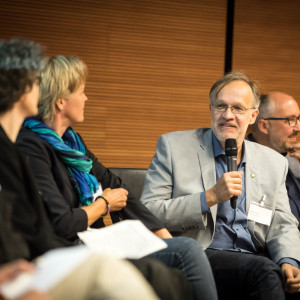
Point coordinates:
[(60, 104)]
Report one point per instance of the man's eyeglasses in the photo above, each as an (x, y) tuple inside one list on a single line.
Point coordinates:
[(291, 120), (235, 109)]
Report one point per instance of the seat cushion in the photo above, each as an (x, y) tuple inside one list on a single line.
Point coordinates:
[(133, 178)]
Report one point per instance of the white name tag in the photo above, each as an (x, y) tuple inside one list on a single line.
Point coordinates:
[(260, 214)]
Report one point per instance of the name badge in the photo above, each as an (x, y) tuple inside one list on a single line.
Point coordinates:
[(260, 213)]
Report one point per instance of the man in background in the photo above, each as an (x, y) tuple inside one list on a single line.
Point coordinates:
[(277, 127)]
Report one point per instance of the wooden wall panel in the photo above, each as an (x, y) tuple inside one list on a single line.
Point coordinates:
[(267, 43), (151, 65)]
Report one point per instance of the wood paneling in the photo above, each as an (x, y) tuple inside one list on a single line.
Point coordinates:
[(151, 65), (267, 43)]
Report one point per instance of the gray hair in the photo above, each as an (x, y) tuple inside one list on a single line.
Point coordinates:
[(20, 63), (228, 78)]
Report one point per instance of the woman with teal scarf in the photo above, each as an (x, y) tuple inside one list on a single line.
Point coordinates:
[(67, 172), (77, 189), (64, 109)]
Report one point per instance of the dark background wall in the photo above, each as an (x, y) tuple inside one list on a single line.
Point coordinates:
[(152, 62)]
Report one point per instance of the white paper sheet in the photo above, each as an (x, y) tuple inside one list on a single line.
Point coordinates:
[(51, 268), (126, 239)]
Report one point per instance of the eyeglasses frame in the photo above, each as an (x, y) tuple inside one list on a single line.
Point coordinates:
[(285, 119), (230, 106)]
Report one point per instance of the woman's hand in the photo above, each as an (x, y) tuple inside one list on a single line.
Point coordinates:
[(163, 233), (117, 198), (11, 270)]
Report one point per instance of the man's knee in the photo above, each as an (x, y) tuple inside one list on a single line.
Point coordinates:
[(245, 275), (184, 245)]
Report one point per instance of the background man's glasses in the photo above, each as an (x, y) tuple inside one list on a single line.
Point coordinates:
[(291, 120), (235, 109)]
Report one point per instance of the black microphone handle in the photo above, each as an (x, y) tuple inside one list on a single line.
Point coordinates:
[(231, 163), (232, 166), (233, 202)]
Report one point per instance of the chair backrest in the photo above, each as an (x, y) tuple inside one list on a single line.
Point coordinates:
[(133, 178)]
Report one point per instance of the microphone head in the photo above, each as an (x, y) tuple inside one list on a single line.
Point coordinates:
[(230, 147)]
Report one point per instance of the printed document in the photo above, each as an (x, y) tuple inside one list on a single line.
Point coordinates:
[(126, 239), (51, 268)]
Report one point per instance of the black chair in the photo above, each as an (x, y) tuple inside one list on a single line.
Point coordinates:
[(133, 178)]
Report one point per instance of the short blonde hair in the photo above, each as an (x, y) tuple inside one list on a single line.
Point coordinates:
[(61, 77)]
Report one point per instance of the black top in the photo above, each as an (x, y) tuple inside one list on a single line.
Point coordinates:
[(19, 197), (62, 199), (12, 244)]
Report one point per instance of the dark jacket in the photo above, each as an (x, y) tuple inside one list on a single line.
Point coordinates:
[(62, 199), (28, 215), (12, 244)]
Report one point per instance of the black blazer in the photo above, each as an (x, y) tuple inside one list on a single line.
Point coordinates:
[(60, 196), (28, 214)]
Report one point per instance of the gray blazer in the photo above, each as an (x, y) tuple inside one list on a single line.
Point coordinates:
[(184, 166), (294, 168)]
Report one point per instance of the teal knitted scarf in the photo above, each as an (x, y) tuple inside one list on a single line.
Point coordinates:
[(72, 152)]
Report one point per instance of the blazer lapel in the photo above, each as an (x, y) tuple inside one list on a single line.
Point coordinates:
[(252, 179), (207, 165)]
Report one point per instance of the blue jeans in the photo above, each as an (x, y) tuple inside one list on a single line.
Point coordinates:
[(187, 255)]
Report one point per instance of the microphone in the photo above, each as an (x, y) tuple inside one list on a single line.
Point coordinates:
[(231, 158)]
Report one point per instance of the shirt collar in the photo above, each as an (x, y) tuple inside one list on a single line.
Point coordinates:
[(218, 151)]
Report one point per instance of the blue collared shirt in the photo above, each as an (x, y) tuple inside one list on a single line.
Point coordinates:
[(231, 229)]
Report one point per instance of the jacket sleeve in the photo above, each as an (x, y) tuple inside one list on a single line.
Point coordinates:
[(29, 220), (179, 212), (55, 186), (282, 238)]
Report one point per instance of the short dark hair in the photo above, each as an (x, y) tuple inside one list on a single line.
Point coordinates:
[(266, 105), (20, 63)]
